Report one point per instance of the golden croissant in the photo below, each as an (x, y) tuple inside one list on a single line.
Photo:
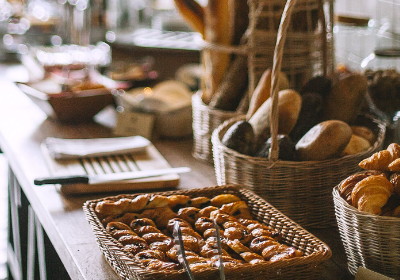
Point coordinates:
[(371, 194)]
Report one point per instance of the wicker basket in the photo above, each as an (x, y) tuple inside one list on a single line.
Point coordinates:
[(301, 190), (369, 240), (315, 251), (205, 120)]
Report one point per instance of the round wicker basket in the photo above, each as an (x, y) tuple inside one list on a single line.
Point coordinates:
[(369, 240), (300, 189), (205, 120)]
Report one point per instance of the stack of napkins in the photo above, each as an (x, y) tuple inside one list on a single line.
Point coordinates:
[(77, 148)]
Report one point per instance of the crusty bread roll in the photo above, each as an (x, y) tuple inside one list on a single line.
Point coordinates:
[(356, 145), (364, 132), (289, 105), (263, 91), (344, 101), (325, 140)]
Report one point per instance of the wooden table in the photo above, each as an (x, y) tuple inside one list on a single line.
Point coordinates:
[(23, 127)]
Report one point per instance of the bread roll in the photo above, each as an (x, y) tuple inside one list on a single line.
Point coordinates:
[(263, 90), (289, 105), (325, 140), (344, 101), (364, 132), (356, 145)]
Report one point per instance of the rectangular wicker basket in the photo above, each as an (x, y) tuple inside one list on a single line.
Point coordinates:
[(369, 241), (306, 267)]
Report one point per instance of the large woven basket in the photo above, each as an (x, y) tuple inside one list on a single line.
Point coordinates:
[(369, 241), (205, 120), (306, 267), (301, 190), (308, 52)]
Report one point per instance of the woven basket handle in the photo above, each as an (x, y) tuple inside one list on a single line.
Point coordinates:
[(277, 65)]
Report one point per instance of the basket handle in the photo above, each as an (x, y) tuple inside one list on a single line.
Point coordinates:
[(277, 65)]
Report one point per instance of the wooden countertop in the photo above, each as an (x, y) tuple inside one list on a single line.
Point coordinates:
[(22, 129)]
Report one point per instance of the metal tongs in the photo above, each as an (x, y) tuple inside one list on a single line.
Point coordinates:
[(177, 233)]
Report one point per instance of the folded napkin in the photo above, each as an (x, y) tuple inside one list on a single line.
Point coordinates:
[(76, 148)]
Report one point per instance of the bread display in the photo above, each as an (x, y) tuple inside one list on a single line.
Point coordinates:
[(143, 227), (377, 189), (314, 119)]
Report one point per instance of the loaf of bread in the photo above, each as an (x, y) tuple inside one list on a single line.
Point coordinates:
[(289, 105), (344, 101), (325, 140), (356, 145)]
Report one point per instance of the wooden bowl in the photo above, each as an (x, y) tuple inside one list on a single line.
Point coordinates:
[(70, 107)]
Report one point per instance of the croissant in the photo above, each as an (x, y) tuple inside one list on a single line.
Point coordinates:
[(394, 150), (371, 194), (347, 185), (378, 161), (394, 165), (221, 199)]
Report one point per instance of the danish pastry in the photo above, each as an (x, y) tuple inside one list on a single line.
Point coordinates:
[(146, 234), (221, 199), (395, 180)]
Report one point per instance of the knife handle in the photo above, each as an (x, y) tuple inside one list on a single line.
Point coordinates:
[(63, 180)]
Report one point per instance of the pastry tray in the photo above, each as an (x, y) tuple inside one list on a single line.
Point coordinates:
[(305, 267)]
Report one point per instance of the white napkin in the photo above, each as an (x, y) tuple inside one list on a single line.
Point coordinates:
[(76, 148)]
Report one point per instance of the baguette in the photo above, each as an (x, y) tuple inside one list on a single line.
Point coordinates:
[(193, 14), (239, 20), (216, 15), (232, 87)]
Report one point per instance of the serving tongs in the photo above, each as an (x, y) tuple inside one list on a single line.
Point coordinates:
[(177, 234)]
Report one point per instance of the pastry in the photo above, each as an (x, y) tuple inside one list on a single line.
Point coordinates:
[(146, 235), (364, 132), (371, 194), (378, 161), (347, 185), (325, 140), (394, 165), (345, 99), (221, 199), (289, 105), (356, 145)]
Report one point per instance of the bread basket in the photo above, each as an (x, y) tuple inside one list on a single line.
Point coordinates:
[(301, 190), (305, 267), (302, 53), (205, 120), (369, 240)]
